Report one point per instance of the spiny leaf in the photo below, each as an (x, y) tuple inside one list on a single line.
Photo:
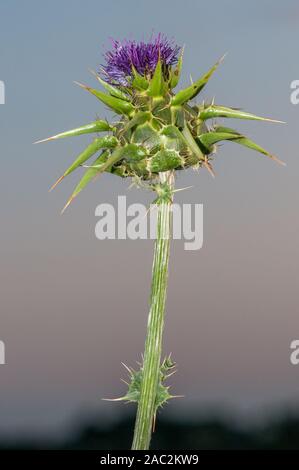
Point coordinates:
[(91, 149), (192, 143), (210, 138), (139, 81), (176, 72), (134, 153), (192, 91), (114, 91), (135, 383), (173, 132), (88, 175), (175, 139), (246, 142), (156, 85), (139, 118), (147, 135), (101, 164), (214, 111), (165, 160), (209, 167), (95, 126), (116, 104), (178, 116)]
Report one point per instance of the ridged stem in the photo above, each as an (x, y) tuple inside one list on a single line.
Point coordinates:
[(153, 345)]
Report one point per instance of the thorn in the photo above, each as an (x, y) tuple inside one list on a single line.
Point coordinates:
[(94, 73), (160, 119), (113, 399), (277, 160), (127, 368), (170, 374), (85, 87), (154, 423), (274, 120), (45, 140), (222, 58), (208, 166), (91, 166), (56, 183), (162, 109), (182, 189), (124, 382), (67, 204)]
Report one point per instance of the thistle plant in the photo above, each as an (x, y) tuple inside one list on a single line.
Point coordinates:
[(159, 132)]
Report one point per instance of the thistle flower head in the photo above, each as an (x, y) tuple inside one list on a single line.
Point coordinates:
[(158, 129), (142, 56)]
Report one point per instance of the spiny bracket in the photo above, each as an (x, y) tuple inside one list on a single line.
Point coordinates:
[(167, 368), (164, 193)]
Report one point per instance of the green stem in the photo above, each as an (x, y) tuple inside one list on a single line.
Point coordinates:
[(152, 355)]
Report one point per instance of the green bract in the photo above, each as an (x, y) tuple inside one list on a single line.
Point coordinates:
[(158, 130)]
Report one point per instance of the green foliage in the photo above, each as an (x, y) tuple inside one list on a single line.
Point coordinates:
[(112, 90), (118, 105), (92, 127), (193, 90), (139, 82), (175, 73), (158, 130), (213, 111), (156, 85)]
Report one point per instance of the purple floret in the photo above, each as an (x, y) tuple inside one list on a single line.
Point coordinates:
[(142, 55)]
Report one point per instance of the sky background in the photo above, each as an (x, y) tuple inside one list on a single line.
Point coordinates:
[(73, 307)]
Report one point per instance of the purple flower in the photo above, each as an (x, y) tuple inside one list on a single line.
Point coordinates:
[(142, 55)]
